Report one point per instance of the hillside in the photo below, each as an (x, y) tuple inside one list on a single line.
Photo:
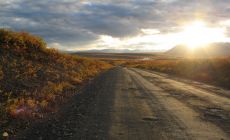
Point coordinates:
[(34, 80), (213, 50)]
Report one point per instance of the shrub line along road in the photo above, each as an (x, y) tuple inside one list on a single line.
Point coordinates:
[(133, 104)]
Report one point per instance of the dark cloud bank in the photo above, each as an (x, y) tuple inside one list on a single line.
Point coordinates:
[(75, 23)]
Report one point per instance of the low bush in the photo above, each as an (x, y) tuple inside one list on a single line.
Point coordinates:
[(35, 79), (215, 71)]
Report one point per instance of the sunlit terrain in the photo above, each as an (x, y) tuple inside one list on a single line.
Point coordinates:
[(114, 70)]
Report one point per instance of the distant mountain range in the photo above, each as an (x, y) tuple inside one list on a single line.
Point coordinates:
[(110, 51), (116, 51), (213, 50)]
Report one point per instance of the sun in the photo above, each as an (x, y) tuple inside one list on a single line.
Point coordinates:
[(198, 34)]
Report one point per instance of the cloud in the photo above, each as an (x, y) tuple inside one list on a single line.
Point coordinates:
[(72, 24)]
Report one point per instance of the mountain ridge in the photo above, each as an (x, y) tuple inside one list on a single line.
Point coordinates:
[(212, 50)]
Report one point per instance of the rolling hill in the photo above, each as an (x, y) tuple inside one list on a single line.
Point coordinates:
[(34, 80), (213, 50)]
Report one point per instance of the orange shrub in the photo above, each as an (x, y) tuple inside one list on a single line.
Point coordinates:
[(33, 76), (215, 71)]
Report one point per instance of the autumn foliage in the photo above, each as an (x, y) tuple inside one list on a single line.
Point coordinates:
[(35, 79), (214, 71)]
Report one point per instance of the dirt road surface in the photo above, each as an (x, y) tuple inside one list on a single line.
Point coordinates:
[(134, 104)]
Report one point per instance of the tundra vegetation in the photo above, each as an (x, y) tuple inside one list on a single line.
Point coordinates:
[(214, 71), (34, 79)]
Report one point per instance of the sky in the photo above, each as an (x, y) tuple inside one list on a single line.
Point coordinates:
[(150, 25)]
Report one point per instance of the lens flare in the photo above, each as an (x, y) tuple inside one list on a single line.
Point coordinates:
[(198, 34)]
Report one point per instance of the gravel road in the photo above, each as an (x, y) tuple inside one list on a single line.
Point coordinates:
[(135, 104)]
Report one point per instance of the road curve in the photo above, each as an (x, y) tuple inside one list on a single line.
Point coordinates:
[(134, 104)]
